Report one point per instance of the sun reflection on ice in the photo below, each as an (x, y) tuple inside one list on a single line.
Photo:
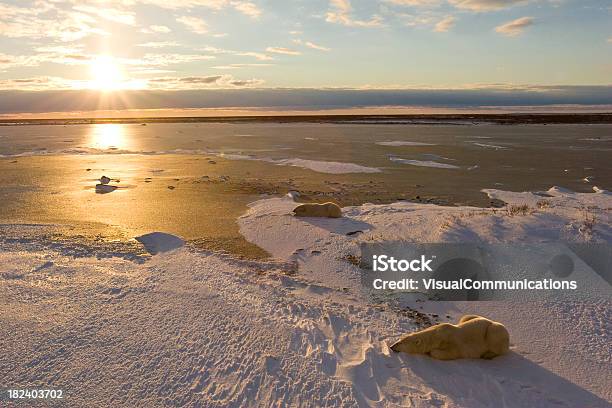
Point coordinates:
[(108, 136)]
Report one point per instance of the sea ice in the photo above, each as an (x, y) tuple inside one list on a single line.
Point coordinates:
[(397, 143), (423, 163), (105, 188), (157, 242)]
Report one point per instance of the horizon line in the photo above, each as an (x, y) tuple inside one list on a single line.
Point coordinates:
[(379, 118)]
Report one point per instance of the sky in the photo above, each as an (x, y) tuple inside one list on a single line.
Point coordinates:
[(520, 46)]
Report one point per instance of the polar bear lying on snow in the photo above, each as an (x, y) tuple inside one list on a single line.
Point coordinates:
[(329, 210), (473, 337)]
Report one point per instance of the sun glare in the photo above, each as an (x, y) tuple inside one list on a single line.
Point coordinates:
[(106, 73), (108, 136)]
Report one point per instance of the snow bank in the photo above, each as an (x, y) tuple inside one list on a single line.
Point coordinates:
[(553, 341), (194, 328), (556, 196)]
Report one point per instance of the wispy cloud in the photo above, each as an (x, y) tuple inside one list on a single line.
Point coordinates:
[(195, 24), (412, 20), (341, 13), (158, 29), (238, 66), (60, 49), (43, 83), (247, 8), (46, 21), (486, 5), (515, 27), (54, 54), (158, 44), (316, 46), (414, 2), (258, 55), (110, 14), (9, 61), (160, 60), (310, 44), (243, 6), (282, 50), (40, 83), (58, 55), (445, 24)]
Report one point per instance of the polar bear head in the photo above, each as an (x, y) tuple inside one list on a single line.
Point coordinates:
[(424, 341), (412, 343)]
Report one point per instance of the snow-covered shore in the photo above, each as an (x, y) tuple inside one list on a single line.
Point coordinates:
[(193, 328)]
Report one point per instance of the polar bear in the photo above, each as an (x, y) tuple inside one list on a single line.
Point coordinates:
[(330, 210), (474, 337)]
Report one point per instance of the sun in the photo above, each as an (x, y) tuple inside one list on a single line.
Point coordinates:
[(106, 73)]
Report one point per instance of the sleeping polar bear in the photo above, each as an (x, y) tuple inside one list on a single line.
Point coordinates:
[(330, 210), (473, 337)]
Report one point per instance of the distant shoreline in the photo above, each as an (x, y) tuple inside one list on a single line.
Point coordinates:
[(402, 119)]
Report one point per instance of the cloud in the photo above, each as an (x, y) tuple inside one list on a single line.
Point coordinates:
[(75, 59), (342, 6), (72, 56), (247, 8), (46, 21), (160, 60), (282, 50), (60, 49), (216, 50), (195, 24), (244, 83), (46, 83), (201, 82), (159, 29), (149, 71), (54, 54), (514, 27), (228, 91), (341, 13), (486, 5), (414, 2), (316, 46), (110, 14), (445, 24), (258, 55), (10, 61), (159, 44), (411, 20), (310, 44), (237, 66), (41, 83)]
